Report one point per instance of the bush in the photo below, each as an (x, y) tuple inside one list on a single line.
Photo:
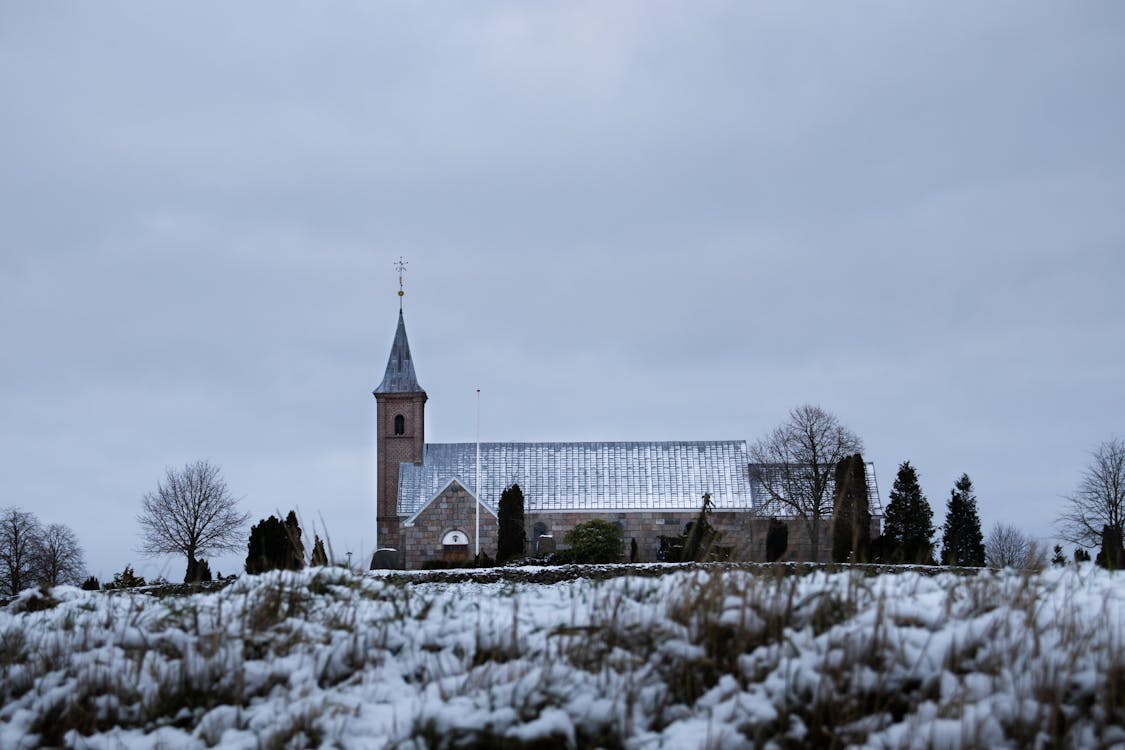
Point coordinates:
[(596, 541), (126, 579), (91, 584)]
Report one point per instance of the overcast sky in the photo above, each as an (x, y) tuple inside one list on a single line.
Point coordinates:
[(623, 221)]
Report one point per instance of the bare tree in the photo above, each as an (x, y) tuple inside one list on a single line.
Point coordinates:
[(1008, 547), (20, 535), (59, 558), (795, 466), (1099, 500), (191, 513)]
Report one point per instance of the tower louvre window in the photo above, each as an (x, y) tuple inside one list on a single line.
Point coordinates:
[(400, 424)]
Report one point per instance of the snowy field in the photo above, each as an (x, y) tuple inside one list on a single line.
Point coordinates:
[(692, 659)]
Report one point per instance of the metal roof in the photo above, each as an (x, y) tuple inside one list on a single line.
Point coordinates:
[(587, 476), (400, 377)]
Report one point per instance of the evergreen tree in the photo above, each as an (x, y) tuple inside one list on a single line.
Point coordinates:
[(851, 527), (701, 537), (1112, 554), (511, 541), (908, 528), (1059, 559), (91, 584), (198, 571), (275, 545), (297, 547), (1081, 555), (319, 558), (777, 540), (962, 542)]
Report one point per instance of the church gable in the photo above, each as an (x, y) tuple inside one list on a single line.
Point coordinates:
[(443, 528), (444, 498)]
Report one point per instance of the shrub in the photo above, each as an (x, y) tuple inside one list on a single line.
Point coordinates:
[(91, 584), (596, 541), (126, 579)]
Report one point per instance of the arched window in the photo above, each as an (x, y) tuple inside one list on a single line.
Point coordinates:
[(400, 424), (455, 538), (455, 546)]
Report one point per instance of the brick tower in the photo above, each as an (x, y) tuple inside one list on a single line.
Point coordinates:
[(400, 433)]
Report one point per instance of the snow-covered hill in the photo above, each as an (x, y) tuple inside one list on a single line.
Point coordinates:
[(696, 658)]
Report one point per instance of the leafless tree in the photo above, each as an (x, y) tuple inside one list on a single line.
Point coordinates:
[(20, 534), (191, 513), (795, 463), (1008, 547), (1099, 500), (59, 558)]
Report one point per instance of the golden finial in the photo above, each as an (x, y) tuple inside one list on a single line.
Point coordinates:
[(400, 266)]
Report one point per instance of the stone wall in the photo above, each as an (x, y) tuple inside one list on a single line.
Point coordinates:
[(741, 531)]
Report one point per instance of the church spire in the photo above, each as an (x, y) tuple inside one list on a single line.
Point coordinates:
[(400, 377)]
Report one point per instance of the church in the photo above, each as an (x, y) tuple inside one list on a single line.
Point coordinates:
[(427, 493)]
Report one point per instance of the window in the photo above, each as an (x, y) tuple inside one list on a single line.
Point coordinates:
[(400, 424), (455, 546), (455, 538), (538, 530)]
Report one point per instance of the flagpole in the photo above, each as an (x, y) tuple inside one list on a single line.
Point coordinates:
[(478, 476)]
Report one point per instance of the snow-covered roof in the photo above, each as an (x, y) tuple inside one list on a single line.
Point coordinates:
[(587, 476)]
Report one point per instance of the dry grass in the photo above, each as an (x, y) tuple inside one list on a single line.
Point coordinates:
[(781, 659)]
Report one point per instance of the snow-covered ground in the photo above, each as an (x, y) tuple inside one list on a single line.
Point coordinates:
[(694, 658)]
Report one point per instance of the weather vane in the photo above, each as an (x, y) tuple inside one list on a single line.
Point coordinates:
[(400, 266)]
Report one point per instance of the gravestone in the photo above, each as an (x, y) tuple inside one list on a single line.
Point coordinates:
[(386, 559)]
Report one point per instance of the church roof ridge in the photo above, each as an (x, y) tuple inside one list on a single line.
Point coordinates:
[(400, 377)]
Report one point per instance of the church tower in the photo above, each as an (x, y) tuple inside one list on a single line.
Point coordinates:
[(400, 432)]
